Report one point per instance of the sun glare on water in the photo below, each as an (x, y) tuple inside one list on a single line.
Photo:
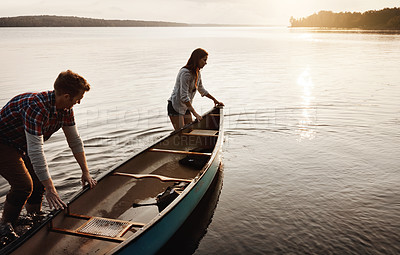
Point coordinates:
[(308, 115)]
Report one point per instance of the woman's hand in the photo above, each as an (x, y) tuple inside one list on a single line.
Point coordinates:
[(198, 117), (218, 103)]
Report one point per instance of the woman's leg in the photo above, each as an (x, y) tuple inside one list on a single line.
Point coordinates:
[(188, 118), (177, 121)]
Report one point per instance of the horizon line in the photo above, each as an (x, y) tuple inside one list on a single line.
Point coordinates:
[(158, 21)]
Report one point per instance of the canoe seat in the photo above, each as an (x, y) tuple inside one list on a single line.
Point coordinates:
[(99, 228), (202, 132), (104, 227)]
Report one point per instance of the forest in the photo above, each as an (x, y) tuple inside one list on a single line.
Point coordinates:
[(388, 18), (67, 21)]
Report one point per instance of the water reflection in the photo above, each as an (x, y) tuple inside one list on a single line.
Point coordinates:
[(187, 238), (309, 37), (343, 31), (308, 115)]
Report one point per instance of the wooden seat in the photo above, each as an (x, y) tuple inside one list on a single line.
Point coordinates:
[(202, 132), (99, 228)]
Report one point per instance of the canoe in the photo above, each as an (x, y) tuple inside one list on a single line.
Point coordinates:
[(188, 237), (138, 205)]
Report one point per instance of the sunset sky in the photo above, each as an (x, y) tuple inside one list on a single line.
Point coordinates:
[(252, 12)]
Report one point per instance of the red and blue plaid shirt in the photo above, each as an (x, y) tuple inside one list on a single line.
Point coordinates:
[(34, 112)]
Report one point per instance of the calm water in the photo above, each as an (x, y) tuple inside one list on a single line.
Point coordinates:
[(311, 157)]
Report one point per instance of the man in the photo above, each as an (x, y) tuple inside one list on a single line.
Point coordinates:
[(26, 121)]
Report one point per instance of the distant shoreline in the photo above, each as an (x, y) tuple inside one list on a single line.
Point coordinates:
[(385, 19), (72, 21)]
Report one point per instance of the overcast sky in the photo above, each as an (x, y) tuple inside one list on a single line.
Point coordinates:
[(253, 12)]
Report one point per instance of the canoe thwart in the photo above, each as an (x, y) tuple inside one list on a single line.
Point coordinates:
[(181, 152), (202, 132), (160, 177)]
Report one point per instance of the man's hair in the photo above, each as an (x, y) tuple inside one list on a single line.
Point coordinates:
[(70, 83)]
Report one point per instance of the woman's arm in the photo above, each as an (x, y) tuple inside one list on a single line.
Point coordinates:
[(216, 102), (191, 109)]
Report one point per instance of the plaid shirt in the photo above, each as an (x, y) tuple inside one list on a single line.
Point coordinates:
[(34, 112)]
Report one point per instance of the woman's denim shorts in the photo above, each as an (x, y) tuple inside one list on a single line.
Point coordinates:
[(172, 112)]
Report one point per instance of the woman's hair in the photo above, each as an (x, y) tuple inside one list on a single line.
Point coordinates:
[(70, 83), (193, 62)]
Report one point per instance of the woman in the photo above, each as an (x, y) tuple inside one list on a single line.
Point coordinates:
[(187, 83)]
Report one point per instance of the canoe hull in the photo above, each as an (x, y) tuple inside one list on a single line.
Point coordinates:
[(163, 228), (154, 239)]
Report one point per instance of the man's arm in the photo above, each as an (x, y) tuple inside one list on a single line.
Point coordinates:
[(86, 178), (38, 160), (76, 145)]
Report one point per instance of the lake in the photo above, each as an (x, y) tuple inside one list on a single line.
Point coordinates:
[(312, 119)]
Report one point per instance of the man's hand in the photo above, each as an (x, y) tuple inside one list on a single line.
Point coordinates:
[(53, 199), (86, 178)]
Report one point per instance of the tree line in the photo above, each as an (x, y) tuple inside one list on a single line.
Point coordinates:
[(66, 21), (388, 18)]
